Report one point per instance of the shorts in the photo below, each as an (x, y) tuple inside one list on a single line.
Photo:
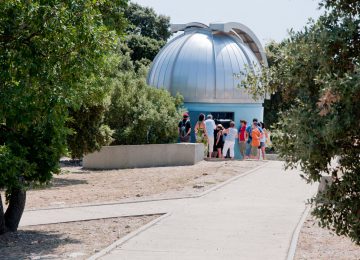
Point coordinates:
[(262, 144), (185, 139), (248, 149), (254, 150), (242, 146)]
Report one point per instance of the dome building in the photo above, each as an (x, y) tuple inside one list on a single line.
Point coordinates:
[(206, 65)]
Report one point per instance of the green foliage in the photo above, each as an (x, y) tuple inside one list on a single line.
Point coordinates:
[(143, 47), (87, 122), (134, 52), (52, 54), (317, 72), (89, 132), (147, 32), (277, 102), (140, 114), (113, 15), (145, 22)]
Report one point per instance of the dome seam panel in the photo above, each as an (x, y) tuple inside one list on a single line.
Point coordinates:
[(152, 72), (169, 54), (175, 60)]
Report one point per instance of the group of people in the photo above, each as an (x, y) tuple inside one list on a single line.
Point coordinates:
[(252, 138)]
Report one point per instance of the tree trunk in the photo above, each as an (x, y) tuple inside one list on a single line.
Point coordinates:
[(2, 218), (15, 210)]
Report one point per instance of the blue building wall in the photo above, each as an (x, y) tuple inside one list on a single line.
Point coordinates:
[(241, 111)]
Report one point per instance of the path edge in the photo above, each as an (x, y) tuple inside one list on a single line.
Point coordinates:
[(222, 184), (129, 236), (296, 234)]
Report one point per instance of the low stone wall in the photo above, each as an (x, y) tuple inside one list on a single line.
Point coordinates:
[(140, 156), (273, 157)]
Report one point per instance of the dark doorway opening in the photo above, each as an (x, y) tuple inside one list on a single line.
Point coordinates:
[(223, 118)]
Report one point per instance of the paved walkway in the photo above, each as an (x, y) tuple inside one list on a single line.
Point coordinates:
[(253, 217)]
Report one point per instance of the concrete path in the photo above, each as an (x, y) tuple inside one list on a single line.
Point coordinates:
[(253, 217)]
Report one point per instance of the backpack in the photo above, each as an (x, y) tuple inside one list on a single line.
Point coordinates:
[(183, 128)]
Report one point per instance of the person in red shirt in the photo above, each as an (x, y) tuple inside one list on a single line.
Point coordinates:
[(255, 142), (242, 141)]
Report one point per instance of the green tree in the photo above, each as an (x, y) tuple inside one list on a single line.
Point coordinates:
[(147, 32), (88, 131), (318, 70), (113, 15), (145, 22), (277, 102), (52, 54), (142, 47)]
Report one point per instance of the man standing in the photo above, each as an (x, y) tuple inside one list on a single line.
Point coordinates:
[(210, 127), (184, 129), (242, 142), (231, 135)]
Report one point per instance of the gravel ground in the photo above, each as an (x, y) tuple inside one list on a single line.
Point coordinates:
[(322, 244), (80, 186), (73, 240)]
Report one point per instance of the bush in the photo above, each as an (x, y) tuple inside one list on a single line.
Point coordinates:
[(140, 114)]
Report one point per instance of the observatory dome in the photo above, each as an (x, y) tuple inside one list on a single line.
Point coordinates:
[(207, 63)]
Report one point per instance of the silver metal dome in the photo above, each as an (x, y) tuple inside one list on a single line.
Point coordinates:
[(207, 63)]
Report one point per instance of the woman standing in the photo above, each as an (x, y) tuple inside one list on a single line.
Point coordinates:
[(201, 134), (231, 136), (263, 138), (219, 144)]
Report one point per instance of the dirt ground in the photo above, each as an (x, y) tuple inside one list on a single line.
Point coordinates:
[(73, 240), (80, 186), (322, 244)]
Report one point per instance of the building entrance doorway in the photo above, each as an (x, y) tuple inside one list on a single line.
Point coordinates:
[(223, 118)]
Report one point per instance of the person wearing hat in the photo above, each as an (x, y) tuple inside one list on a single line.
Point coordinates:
[(184, 129)]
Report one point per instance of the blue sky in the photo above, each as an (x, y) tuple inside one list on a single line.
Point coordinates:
[(268, 19)]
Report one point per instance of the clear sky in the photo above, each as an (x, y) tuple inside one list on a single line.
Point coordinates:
[(268, 19)]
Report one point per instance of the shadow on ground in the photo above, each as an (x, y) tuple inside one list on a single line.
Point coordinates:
[(27, 244), (61, 182), (58, 182)]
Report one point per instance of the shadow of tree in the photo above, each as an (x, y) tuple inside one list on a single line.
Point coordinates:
[(62, 182), (30, 244), (70, 162), (58, 182)]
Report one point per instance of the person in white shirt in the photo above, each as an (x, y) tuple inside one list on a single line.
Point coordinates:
[(231, 134), (210, 127)]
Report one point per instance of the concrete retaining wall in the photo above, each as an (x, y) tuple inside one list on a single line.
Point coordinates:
[(139, 156)]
